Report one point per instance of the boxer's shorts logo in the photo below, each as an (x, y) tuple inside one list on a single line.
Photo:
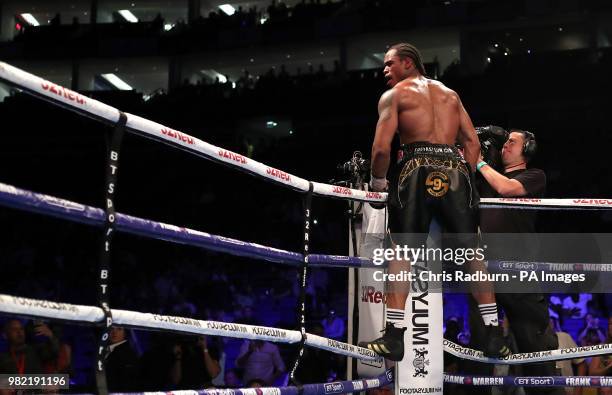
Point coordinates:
[(437, 183)]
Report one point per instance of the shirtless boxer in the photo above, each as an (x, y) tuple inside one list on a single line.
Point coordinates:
[(432, 180)]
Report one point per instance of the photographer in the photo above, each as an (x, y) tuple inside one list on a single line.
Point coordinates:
[(28, 348), (505, 174)]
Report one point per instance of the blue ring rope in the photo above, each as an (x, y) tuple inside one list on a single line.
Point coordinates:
[(48, 205)]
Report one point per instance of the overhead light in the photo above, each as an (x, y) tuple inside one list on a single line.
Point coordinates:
[(505, 53), (291, 132), (128, 16), (271, 124), (228, 9), (214, 74), (116, 82), (30, 19), (496, 45)]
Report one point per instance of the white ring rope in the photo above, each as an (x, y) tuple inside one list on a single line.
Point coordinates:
[(93, 108), (90, 314), (528, 357), (80, 313), (546, 204)]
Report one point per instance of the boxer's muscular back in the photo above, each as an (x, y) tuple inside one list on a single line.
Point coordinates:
[(427, 111)]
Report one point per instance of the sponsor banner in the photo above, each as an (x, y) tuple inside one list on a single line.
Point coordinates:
[(334, 388), (371, 293), (524, 381), (421, 371), (357, 385), (531, 381), (373, 383)]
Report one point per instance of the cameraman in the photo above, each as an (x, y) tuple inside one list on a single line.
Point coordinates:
[(527, 313), (515, 180)]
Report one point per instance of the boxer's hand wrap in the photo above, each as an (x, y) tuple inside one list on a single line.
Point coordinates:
[(378, 184)]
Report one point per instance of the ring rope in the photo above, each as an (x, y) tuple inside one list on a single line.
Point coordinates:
[(45, 204), (530, 381), (550, 266), (90, 314), (546, 204), (67, 98), (336, 387), (49, 205), (39, 308), (528, 357)]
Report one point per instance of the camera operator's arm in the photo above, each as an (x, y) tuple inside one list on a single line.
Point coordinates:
[(467, 137), (385, 130), (506, 187)]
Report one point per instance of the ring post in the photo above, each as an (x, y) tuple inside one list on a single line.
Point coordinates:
[(112, 171), (307, 203)]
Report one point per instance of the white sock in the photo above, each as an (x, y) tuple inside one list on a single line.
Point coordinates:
[(488, 311), (395, 316)]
